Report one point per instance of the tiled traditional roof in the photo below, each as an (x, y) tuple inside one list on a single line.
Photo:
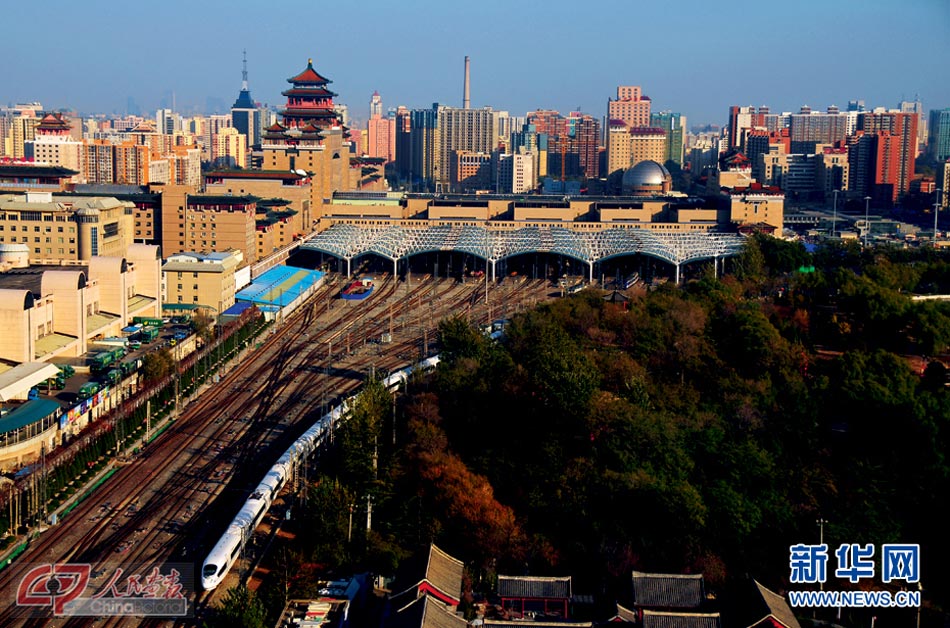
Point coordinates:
[(776, 607), (656, 619), (521, 623), (445, 572), (309, 76), (424, 612), (534, 587), (625, 615), (439, 575), (667, 590)]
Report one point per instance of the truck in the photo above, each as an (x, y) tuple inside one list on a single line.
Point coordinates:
[(101, 361), (148, 334), (111, 376), (88, 390), (129, 367), (145, 320)]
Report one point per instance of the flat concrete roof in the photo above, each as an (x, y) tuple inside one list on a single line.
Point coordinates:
[(21, 378)]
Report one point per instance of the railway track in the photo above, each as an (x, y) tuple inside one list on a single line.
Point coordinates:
[(158, 509)]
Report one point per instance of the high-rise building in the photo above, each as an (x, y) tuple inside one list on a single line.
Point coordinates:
[(417, 147), (516, 173), (889, 175), (631, 106), (674, 125), (380, 131), (618, 146), (548, 122), (939, 137), (403, 141), (943, 183), (470, 130), (245, 116), (167, 122), (229, 149), (647, 144), (741, 121), (809, 128), (375, 106), (586, 134), (916, 107)]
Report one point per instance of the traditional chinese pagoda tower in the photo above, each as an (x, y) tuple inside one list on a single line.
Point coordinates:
[(310, 137), (309, 101)]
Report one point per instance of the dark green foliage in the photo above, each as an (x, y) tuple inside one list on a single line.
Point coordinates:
[(240, 609), (701, 428)]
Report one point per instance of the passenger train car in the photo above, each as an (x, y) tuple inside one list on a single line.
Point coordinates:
[(229, 546)]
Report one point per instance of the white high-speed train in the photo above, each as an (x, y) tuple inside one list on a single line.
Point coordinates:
[(229, 546)]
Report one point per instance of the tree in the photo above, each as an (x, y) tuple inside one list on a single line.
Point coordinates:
[(240, 607), (203, 323), (157, 365)]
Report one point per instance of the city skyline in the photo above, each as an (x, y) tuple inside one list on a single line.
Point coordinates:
[(694, 59)]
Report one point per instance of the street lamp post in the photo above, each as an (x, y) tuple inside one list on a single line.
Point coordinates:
[(834, 221), (867, 223)]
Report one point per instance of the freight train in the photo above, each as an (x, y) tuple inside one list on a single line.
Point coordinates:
[(228, 548)]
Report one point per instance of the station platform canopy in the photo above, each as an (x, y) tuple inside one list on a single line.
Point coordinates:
[(279, 286), (27, 414), (17, 382), (395, 242)]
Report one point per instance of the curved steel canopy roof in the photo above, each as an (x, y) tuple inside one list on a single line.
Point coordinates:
[(396, 243)]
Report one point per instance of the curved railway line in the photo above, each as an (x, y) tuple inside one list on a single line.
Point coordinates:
[(169, 504)]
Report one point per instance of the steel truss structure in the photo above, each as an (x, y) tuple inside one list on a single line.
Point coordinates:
[(397, 243)]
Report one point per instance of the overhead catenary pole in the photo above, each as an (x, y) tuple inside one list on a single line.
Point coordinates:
[(936, 211)]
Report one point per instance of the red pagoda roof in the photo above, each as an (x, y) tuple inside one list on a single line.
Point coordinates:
[(145, 126), (276, 127), (308, 91), (308, 128), (309, 76), (53, 122)]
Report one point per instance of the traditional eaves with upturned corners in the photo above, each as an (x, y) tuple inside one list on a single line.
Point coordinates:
[(425, 612), (440, 575), (773, 608)]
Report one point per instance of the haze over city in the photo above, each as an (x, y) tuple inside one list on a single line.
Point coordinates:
[(693, 57)]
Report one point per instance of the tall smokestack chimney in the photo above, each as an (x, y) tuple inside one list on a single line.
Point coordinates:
[(466, 94)]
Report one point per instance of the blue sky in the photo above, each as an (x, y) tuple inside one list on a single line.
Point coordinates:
[(695, 57)]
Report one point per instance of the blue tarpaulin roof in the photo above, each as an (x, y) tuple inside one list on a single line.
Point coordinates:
[(238, 308), (29, 412), (279, 286)]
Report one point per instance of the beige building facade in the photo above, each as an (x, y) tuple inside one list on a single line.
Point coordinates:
[(49, 312), (62, 229), (203, 280)]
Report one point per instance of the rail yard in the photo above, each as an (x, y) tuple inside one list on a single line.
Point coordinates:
[(168, 505)]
